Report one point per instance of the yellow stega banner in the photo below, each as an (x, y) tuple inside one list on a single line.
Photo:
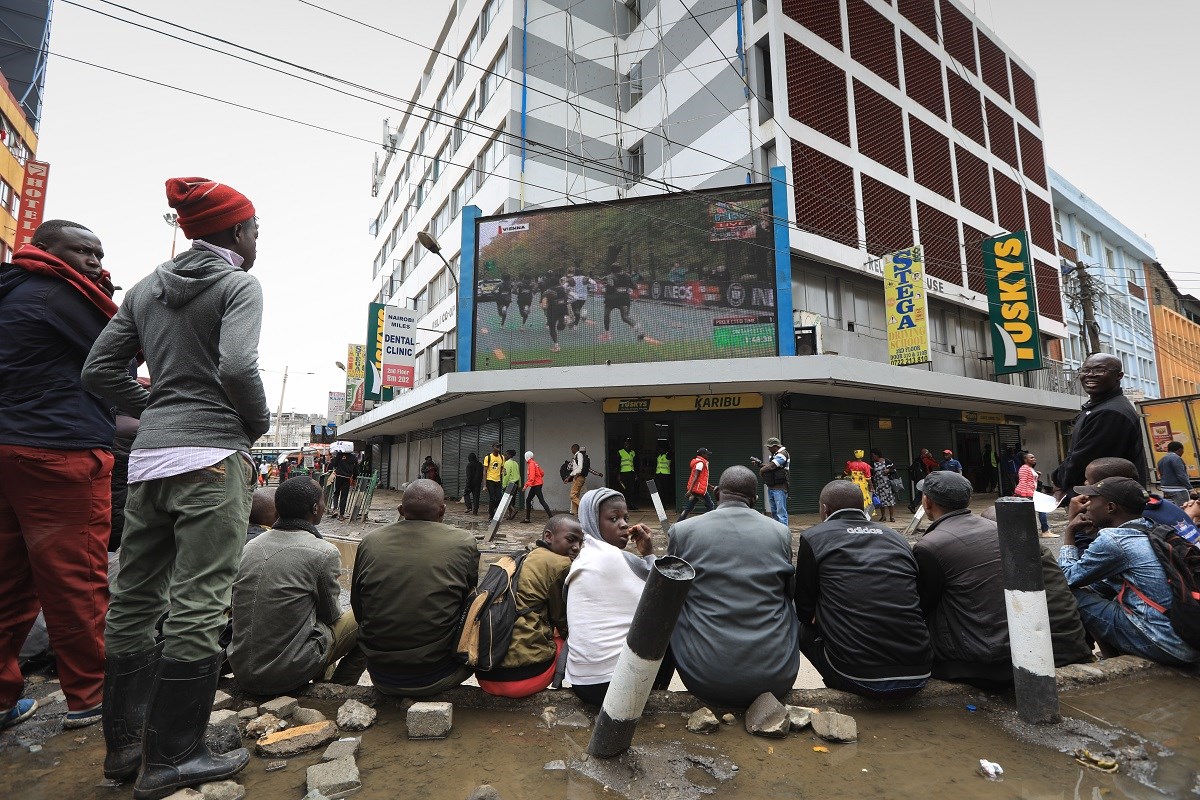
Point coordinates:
[(906, 306)]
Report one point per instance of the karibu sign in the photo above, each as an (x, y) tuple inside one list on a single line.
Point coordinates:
[(1012, 303), (33, 200), (356, 384), (907, 307), (399, 347), (683, 402)]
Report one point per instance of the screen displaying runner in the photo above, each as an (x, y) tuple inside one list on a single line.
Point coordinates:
[(676, 277)]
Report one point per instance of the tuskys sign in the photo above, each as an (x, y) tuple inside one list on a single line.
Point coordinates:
[(1012, 303)]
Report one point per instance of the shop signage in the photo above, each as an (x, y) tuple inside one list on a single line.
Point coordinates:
[(337, 406), (356, 382), (1012, 303), (33, 199), (399, 347), (984, 418), (907, 307), (374, 370), (683, 402)]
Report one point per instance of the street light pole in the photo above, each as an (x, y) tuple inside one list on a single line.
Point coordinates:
[(172, 219), (430, 244)]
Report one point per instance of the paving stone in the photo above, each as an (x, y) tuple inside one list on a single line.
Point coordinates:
[(262, 725), (355, 716), (766, 716), (430, 720), (834, 727), (222, 701), (293, 741), (185, 794), (576, 719), (342, 748), (703, 721), (799, 717), (223, 717), (307, 716), (223, 790), (282, 707), (334, 779), (247, 714), (484, 792)]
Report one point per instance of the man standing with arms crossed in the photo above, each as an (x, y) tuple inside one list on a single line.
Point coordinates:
[(775, 473), (197, 318)]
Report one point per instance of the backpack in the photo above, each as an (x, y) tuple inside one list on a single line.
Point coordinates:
[(489, 614), (1180, 561), (587, 464)]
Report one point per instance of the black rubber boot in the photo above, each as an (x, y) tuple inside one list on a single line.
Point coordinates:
[(174, 755), (128, 680)]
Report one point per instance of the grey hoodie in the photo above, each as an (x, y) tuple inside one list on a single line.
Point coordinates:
[(197, 319)]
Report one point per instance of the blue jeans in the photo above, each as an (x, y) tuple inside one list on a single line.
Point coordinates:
[(778, 500), (1107, 621), (1044, 521)]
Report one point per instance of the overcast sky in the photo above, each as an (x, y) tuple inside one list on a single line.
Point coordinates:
[(1117, 83)]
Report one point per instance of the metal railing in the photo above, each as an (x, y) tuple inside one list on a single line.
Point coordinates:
[(1055, 376)]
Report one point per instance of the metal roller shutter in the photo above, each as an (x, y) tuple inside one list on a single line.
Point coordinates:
[(806, 436), (453, 463), (510, 435), (732, 436), (847, 433), (933, 434), (894, 444)]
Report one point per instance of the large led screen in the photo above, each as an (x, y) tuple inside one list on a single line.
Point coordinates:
[(687, 276)]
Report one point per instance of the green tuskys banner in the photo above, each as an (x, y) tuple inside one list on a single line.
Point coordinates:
[(1012, 303), (374, 366)]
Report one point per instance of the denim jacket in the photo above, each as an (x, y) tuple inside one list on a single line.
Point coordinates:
[(1120, 555)]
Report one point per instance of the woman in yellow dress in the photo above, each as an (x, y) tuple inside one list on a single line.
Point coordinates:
[(859, 472)]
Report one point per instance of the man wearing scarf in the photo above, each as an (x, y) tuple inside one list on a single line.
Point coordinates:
[(55, 464)]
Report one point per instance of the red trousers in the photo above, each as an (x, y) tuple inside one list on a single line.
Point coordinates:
[(55, 519)]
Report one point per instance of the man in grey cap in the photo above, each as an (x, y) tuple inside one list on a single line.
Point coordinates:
[(775, 475)]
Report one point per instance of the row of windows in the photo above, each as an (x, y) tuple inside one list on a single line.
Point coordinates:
[(1121, 265)]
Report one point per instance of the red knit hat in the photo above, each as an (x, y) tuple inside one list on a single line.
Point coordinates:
[(206, 206)]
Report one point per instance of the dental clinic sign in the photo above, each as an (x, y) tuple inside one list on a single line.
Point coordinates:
[(1012, 303), (399, 347)]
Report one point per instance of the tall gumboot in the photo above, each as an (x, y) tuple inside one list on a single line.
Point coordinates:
[(1028, 616), (657, 611), (506, 498), (652, 487)]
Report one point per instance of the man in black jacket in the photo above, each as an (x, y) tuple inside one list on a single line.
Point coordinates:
[(861, 625), (1108, 425)]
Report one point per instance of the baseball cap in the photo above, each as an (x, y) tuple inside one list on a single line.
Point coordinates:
[(1125, 492), (773, 442), (948, 489)]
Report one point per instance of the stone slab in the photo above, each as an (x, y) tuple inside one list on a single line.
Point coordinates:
[(293, 741), (430, 720), (334, 779), (282, 707)]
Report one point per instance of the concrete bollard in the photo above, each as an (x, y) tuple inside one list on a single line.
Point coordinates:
[(652, 487), (506, 498), (657, 611), (1028, 616)]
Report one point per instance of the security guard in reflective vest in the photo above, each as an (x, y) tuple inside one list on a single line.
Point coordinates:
[(662, 476), (628, 474)]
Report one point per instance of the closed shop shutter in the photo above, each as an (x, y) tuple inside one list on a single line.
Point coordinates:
[(847, 433), (934, 435), (806, 436), (732, 436), (894, 444), (489, 434), (510, 435), (453, 463)]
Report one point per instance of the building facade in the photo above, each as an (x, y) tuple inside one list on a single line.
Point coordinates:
[(19, 144), (1113, 291), (896, 125), (1176, 321)]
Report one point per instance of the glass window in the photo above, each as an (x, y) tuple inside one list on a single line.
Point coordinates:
[(493, 77), (467, 55), (490, 9), (1085, 242)]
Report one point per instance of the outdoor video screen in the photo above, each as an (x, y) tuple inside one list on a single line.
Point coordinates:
[(665, 278)]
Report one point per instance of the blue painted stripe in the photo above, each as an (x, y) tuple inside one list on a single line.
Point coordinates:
[(466, 289), (783, 263)]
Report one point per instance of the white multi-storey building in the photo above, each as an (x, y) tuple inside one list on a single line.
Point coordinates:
[(898, 124)]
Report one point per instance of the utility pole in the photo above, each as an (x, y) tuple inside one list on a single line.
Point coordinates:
[(279, 412), (1087, 291)]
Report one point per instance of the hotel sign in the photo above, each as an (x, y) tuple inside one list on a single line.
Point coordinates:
[(33, 200), (1012, 303)]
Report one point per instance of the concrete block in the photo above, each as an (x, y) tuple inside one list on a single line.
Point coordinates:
[(355, 716), (334, 779), (223, 790), (703, 721), (247, 714), (430, 720), (282, 707), (834, 727), (342, 748), (766, 716), (222, 701)]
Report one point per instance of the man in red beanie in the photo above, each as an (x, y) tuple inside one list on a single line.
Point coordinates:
[(197, 318), (55, 463)]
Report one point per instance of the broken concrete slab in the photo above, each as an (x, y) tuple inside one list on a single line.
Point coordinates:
[(355, 716), (766, 716), (282, 707), (667, 770), (343, 748), (223, 717), (799, 717), (222, 701), (576, 719), (185, 794), (834, 727), (293, 741), (430, 720), (307, 716), (703, 721), (248, 713), (334, 779), (223, 790), (262, 725)]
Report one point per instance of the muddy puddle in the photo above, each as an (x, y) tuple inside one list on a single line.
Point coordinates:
[(901, 754)]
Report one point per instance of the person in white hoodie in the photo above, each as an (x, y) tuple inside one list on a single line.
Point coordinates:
[(603, 589)]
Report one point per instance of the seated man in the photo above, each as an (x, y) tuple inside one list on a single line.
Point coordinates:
[(961, 585), (288, 627), (736, 636), (262, 513), (1119, 583), (1158, 510), (861, 625), (538, 634), (410, 580)]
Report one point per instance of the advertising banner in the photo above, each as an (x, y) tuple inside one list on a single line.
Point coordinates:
[(907, 307), (1168, 421), (1012, 303), (663, 278), (399, 347), (337, 406), (356, 382), (375, 389), (33, 200)]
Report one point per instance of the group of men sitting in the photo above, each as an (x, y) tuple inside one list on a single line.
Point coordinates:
[(874, 615)]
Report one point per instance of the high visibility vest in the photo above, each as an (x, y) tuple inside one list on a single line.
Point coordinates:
[(626, 459), (664, 464)]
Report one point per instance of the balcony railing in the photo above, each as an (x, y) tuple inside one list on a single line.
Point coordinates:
[(1055, 376)]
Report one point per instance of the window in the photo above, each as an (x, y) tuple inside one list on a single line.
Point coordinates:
[(460, 125), (440, 221), (1058, 224), (8, 195), (490, 158), (493, 77), (635, 12), (1110, 259), (490, 9), (1085, 242), (467, 56), (1133, 271), (633, 85), (438, 161), (463, 192), (635, 164)]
